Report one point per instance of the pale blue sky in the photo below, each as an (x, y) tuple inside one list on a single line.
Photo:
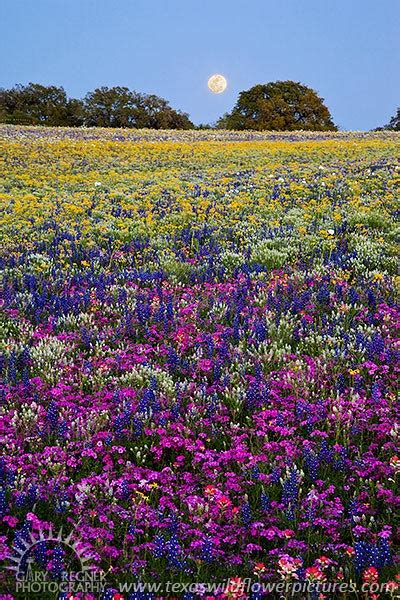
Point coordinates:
[(348, 50)]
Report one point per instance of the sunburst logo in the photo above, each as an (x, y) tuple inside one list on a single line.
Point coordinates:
[(31, 569)]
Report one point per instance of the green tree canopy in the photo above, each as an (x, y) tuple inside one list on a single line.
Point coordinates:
[(394, 123), (121, 107), (279, 106), (36, 104), (111, 107)]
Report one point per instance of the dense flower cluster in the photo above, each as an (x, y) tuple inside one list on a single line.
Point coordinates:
[(199, 357), (13, 132)]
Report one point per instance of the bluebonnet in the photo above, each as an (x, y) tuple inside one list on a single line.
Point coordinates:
[(290, 489), (265, 501), (52, 415), (40, 550), (246, 514), (367, 554), (207, 551), (160, 547), (3, 502), (312, 463)]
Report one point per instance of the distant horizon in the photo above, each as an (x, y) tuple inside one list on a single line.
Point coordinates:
[(346, 51), (199, 124), (212, 126), (198, 130)]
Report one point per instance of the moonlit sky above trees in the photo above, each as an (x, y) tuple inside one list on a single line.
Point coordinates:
[(348, 51)]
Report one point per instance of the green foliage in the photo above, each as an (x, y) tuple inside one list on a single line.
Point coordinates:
[(279, 106), (36, 104), (120, 107), (394, 123)]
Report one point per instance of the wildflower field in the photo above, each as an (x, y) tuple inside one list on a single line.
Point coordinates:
[(198, 357)]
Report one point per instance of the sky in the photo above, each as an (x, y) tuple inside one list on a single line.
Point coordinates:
[(347, 50)]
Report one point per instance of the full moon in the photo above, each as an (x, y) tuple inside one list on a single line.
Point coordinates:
[(217, 84)]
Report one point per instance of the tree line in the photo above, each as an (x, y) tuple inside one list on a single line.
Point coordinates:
[(279, 106), (36, 104), (394, 123)]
